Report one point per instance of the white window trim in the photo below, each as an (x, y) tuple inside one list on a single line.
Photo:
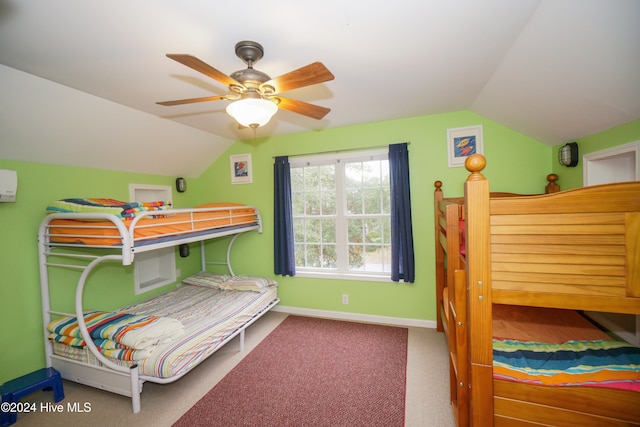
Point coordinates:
[(373, 277), (341, 236), (331, 158)]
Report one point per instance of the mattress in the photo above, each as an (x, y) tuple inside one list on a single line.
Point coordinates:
[(591, 363), (209, 316), (151, 228), (555, 347), (542, 324)]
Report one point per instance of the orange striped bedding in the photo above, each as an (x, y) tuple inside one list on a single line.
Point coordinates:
[(104, 233)]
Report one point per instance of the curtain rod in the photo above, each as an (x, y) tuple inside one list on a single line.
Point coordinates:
[(342, 150)]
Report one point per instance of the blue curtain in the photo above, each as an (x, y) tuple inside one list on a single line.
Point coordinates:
[(402, 258), (283, 251)]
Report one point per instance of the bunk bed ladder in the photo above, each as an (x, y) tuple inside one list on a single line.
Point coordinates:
[(458, 350)]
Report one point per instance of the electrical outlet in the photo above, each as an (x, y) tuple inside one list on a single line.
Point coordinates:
[(345, 298)]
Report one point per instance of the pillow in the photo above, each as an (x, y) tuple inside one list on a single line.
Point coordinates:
[(244, 282), (206, 279), (241, 282)]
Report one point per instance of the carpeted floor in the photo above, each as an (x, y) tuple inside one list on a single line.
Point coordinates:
[(313, 372), (426, 405)]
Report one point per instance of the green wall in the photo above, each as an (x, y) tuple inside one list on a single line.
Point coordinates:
[(112, 285), (428, 163), (572, 177)]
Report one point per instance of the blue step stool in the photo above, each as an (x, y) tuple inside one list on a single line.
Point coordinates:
[(14, 390)]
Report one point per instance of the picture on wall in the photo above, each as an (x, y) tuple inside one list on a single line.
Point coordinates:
[(463, 142), (241, 169)]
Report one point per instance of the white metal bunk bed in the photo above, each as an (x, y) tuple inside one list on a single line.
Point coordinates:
[(76, 241)]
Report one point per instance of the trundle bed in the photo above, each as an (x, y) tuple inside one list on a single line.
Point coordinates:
[(518, 270), (161, 339)]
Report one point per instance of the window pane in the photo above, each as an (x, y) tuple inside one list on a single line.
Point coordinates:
[(328, 178), (386, 230), (329, 257), (313, 231), (386, 257), (353, 175), (312, 206), (301, 258), (311, 178), (313, 256), (372, 201), (371, 173), (373, 259), (328, 203), (328, 189), (356, 257), (354, 230), (373, 231), (298, 231), (297, 178), (384, 173), (386, 200), (328, 231), (354, 202), (297, 201)]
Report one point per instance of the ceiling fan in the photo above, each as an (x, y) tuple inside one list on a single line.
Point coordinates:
[(256, 96)]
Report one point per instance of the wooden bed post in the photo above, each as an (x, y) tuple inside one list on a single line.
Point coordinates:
[(552, 187), (439, 257), (478, 243)]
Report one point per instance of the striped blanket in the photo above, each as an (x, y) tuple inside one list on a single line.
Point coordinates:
[(209, 315), (123, 336), (602, 363), (106, 347), (99, 205)]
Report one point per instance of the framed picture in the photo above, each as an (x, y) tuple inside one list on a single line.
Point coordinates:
[(241, 169), (463, 142)]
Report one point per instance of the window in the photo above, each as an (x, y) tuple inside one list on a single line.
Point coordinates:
[(341, 214)]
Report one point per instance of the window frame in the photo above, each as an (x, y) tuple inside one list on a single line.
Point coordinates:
[(341, 217)]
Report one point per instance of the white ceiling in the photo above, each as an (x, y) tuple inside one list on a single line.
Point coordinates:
[(555, 70)]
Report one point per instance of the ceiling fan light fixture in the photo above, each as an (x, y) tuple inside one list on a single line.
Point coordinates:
[(252, 112)]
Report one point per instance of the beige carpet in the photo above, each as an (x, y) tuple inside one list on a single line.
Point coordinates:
[(426, 405)]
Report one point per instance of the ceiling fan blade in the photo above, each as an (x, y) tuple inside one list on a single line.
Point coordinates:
[(304, 108), (204, 68), (191, 100), (306, 76)]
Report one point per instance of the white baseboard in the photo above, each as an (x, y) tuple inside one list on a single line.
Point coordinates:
[(356, 317)]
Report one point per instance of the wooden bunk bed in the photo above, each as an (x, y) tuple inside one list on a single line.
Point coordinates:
[(450, 250), (84, 241), (574, 250)]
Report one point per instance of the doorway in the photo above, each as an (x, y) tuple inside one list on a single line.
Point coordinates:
[(617, 164)]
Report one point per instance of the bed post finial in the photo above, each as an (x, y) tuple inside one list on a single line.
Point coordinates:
[(438, 185), (552, 187), (475, 163)]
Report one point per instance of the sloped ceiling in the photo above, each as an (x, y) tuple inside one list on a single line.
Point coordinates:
[(555, 70)]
